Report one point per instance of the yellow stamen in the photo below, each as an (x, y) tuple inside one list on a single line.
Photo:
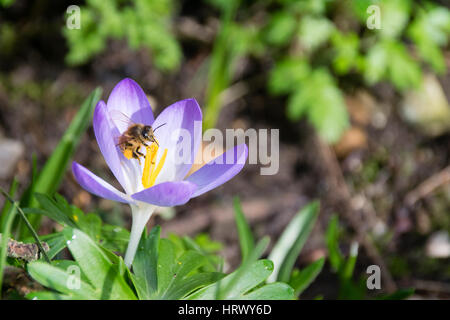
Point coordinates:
[(150, 172), (149, 164)]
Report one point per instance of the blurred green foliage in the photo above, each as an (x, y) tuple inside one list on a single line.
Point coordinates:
[(310, 46), (142, 23), (320, 41), (314, 44), (6, 3)]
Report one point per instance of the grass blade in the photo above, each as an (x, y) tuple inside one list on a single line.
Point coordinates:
[(303, 278), (334, 253), (7, 204), (246, 239), (6, 232), (288, 247)]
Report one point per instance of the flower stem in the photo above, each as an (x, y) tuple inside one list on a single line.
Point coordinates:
[(140, 218)]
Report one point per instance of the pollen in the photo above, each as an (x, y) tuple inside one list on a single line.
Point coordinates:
[(128, 154), (151, 170)]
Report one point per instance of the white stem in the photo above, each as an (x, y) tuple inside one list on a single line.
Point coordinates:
[(140, 216)]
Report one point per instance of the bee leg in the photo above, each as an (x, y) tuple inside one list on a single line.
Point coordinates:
[(140, 153), (138, 159), (136, 155)]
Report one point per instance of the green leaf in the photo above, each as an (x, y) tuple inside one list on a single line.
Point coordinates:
[(359, 9), (224, 5), (214, 262), (286, 250), (160, 274), (315, 31), (224, 290), (189, 284), (311, 7), (288, 75), (246, 240), (376, 63), (66, 264), (346, 47), (53, 210), (400, 294), (404, 72), (272, 291), (301, 279), (327, 111), (56, 243), (249, 279), (96, 265), (394, 17), (317, 97), (54, 169), (59, 210), (114, 238), (166, 260), (48, 295), (430, 30), (349, 266), (389, 60), (6, 3), (187, 263), (91, 224), (281, 28), (205, 242), (332, 239), (5, 235), (58, 279), (145, 264), (7, 204)]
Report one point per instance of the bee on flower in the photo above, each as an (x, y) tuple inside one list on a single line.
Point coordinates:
[(160, 180)]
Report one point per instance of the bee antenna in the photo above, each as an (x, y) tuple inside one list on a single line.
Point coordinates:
[(158, 127)]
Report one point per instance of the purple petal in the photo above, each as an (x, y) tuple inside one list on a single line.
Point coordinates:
[(219, 170), (129, 99), (187, 115), (106, 135), (167, 194), (96, 185)]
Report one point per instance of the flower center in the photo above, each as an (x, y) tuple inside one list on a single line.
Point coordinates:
[(151, 170)]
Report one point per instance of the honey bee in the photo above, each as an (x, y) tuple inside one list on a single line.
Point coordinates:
[(137, 135)]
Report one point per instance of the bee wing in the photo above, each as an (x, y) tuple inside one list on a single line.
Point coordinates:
[(121, 120)]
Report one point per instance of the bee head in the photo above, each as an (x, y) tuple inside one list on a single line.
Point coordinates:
[(147, 132)]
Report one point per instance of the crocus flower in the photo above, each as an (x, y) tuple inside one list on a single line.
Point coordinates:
[(160, 180)]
